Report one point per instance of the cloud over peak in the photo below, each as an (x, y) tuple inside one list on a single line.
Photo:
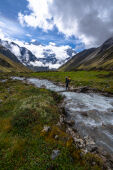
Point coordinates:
[(89, 20)]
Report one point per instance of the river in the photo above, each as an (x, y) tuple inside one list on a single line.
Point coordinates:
[(92, 113)]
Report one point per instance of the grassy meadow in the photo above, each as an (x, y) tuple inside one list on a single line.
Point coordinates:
[(102, 80), (24, 111)]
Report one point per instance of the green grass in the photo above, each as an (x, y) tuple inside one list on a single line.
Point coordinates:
[(7, 65), (102, 80), (23, 113)]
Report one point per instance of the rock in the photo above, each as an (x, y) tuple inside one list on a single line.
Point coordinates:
[(43, 86), (6, 97), (71, 132), (89, 141), (56, 137), (79, 143), (92, 148), (64, 112), (84, 151), (61, 119), (93, 163), (58, 124), (84, 114), (1, 101), (55, 154), (70, 122), (46, 129)]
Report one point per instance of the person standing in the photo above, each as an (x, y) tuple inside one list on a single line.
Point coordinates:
[(68, 80)]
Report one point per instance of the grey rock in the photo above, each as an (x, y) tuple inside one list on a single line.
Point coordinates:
[(56, 137), (70, 122), (84, 151), (55, 153), (79, 141), (92, 148), (58, 124), (43, 86), (61, 119), (46, 129), (90, 142), (84, 114)]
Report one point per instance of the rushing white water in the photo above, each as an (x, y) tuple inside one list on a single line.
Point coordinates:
[(92, 113)]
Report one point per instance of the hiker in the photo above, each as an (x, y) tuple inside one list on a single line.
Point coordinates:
[(68, 80)]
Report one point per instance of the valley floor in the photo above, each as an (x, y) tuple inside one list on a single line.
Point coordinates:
[(24, 111), (101, 80)]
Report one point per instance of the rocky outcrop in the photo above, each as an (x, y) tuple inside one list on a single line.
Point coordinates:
[(85, 144)]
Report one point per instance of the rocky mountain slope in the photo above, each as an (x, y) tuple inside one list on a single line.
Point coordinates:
[(37, 56), (100, 58), (9, 62)]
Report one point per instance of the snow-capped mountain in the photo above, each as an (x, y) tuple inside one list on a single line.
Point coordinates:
[(37, 55), (23, 55), (50, 55)]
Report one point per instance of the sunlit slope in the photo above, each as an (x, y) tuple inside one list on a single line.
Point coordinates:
[(100, 58), (7, 65)]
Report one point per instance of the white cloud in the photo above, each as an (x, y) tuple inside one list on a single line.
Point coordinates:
[(28, 35), (40, 64), (89, 20), (51, 43), (2, 36), (39, 17), (9, 28)]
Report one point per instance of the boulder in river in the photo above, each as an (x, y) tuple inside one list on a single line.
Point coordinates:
[(43, 86), (84, 114)]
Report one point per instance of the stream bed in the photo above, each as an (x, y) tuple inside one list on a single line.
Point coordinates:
[(92, 113)]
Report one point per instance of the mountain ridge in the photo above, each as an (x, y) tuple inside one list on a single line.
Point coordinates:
[(48, 58), (100, 58), (10, 63)]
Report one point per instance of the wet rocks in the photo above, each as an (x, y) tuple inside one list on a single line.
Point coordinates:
[(86, 144), (85, 89), (85, 114), (43, 86), (70, 122), (61, 119), (55, 154), (89, 141)]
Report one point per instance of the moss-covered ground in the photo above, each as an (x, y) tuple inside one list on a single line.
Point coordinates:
[(24, 111)]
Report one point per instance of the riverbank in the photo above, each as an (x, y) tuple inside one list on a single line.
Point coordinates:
[(102, 81), (98, 81), (30, 134), (87, 121)]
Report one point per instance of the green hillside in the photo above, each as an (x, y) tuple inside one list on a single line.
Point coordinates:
[(100, 58), (7, 65)]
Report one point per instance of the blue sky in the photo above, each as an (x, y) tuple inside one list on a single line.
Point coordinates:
[(79, 24), (9, 10)]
